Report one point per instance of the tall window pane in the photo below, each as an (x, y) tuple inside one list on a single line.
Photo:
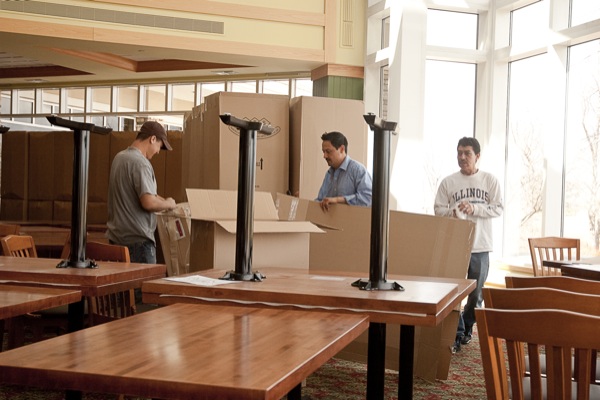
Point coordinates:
[(583, 11), (530, 26), (303, 87), (75, 100), (242, 86), (182, 97), (452, 29), (209, 88), (127, 98), (101, 99), (527, 115), (582, 173), (5, 97), (25, 104), (449, 115), (279, 86), (154, 97)]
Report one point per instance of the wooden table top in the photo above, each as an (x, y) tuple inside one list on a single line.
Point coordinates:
[(109, 277), (188, 351), (583, 271), (19, 300), (426, 301), (583, 261)]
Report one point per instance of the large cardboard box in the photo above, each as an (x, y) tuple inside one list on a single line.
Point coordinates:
[(15, 166), (174, 186), (422, 245), (98, 166), (213, 237), (193, 144), (222, 142), (41, 167), (310, 117)]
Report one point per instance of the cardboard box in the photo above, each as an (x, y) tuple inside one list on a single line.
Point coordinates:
[(97, 212), (420, 245), (310, 117), (15, 166), (40, 210), (193, 142), (174, 229), (213, 241), (174, 183), (13, 210), (41, 167), (222, 142)]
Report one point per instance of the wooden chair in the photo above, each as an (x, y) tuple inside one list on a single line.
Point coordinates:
[(113, 306), (552, 330), (544, 298), (552, 248), (555, 282), (18, 246), (8, 229), (55, 319), (562, 283)]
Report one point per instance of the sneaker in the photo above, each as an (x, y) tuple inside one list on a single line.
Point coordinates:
[(466, 339), (455, 348)]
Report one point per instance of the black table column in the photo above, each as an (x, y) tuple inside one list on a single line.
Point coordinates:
[(245, 197), (81, 140)]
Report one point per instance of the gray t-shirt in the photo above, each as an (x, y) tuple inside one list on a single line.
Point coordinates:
[(131, 175)]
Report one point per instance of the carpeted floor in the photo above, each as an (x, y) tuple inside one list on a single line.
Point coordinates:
[(342, 380)]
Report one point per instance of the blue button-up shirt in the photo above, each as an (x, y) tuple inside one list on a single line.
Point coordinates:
[(350, 180)]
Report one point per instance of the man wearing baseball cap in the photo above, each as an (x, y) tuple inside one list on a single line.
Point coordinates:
[(132, 197)]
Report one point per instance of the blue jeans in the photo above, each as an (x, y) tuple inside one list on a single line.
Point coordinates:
[(479, 265), (143, 253)]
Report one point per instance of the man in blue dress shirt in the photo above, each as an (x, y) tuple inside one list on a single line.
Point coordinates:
[(347, 181)]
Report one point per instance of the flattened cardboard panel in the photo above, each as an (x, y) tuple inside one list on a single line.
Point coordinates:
[(310, 117), (41, 166), (15, 167), (13, 210), (174, 186), (99, 168), (222, 142), (213, 205), (40, 210)]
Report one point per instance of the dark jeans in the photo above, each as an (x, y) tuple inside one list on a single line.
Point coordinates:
[(143, 253), (479, 266)]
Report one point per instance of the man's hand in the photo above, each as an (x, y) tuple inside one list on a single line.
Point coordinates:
[(331, 200)]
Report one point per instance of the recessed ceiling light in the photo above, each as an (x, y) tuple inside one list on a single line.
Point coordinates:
[(36, 80), (224, 72)]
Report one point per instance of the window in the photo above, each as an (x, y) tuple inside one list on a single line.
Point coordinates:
[(530, 26), (582, 161), (154, 97), (527, 113), (452, 29), (583, 11), (449, 115)]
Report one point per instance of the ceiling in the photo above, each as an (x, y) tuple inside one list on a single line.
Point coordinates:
[(29, 60)]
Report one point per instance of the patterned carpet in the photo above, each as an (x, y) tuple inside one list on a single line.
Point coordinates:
[(342, 380)]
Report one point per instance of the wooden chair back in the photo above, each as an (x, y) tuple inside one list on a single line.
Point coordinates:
[(555, 282), (552, 248), (541, 298), (18, 246), (115, 305), (550, 330), (9, 229)]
